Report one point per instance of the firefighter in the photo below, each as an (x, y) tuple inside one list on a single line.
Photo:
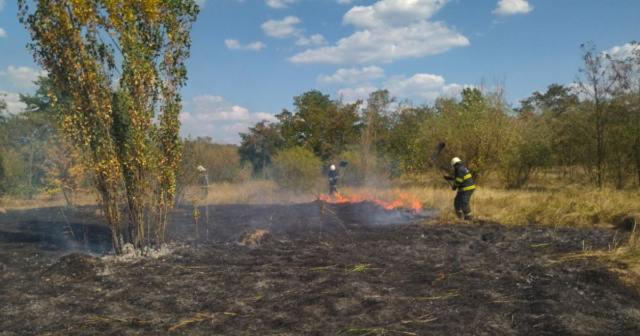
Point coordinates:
[(333, 180), (203, 181), (463, 182)]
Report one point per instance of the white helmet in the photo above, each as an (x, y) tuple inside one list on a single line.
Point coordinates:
[(201, 169), (455, 160), (333, 167)]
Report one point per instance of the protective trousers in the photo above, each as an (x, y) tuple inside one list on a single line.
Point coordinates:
[(462, 206), (333, 188)]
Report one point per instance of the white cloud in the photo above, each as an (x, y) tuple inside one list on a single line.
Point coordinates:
[(417, 85), (2, 3), (350, 95), (314, 39), (387, 31), (420, 87), (2, 33), (209, 107), (511, 7), (282, 28), (345, 2), (14, 105), (392, 12), (352, 75), (386, 44), (201, 3), (213, 116), (22, 77), (279, 3), (233, 44), (622, 52)]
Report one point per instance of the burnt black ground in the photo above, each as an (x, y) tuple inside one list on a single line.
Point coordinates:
[(417, 279)]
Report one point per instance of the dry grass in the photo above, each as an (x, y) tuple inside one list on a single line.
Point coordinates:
[(551, 207), (45, 200), (518, 207), (251, 192)]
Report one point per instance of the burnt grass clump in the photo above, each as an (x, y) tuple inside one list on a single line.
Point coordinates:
[(321, 270)]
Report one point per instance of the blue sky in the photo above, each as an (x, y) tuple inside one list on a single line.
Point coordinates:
[(251, 57)]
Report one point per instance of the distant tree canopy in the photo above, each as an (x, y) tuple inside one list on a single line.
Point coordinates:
[(592, 125)]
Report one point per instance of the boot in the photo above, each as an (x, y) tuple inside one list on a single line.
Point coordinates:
[(468, 217), (460, 214)]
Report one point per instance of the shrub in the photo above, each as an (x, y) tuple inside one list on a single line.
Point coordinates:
[(2, 187), (361, 170), (296, 169)]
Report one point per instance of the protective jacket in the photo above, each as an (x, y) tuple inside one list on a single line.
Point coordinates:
[(333, 177), (462, 179)]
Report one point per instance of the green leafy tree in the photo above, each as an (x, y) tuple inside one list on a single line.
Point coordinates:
[(64, 171), (475, 129), (596, 85), (557, 108), (626, 73), (410, 140), (3, 107), (80, 43), (296, 168), (260, 144), (324, 126), (528, 149)]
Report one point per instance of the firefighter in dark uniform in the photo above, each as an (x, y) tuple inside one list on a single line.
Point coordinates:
[(333, 180), (203, 181), (463, 182)]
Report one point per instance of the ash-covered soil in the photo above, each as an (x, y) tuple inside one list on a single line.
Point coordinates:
[(322, 270)]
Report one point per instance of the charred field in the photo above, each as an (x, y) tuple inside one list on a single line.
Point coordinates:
[(317, 269)]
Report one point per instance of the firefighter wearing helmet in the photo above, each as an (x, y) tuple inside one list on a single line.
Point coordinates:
[(333, 180), (463, 182), (203, 180)]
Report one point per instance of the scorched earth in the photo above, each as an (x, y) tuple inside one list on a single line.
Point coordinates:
[(310, 269)]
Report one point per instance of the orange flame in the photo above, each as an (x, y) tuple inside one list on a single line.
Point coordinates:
[(405, 201)]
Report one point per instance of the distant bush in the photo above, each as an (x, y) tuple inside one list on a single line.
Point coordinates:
[(244, 174), (221, 161), (361, 170), (527, 151), (2, 187), (296, 169)]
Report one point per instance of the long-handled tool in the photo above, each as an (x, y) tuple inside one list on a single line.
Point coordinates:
[(434, 157)]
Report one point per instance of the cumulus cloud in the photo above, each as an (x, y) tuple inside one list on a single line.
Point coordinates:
[(234, 44), (282, 28), (213, 116), (314, 39), (2, 3), (623, 52), (22, 77), (392, 12), (350, 95), (279, 3), (352, 75), (419, 87), (2, 33), (387, 31), (386, 45), (511, 7), (423, 86), (14, 105)]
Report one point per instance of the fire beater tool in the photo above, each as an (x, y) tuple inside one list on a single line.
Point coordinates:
[(434, 157)]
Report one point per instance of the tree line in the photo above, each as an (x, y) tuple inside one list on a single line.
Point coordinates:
[(589, 129)]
